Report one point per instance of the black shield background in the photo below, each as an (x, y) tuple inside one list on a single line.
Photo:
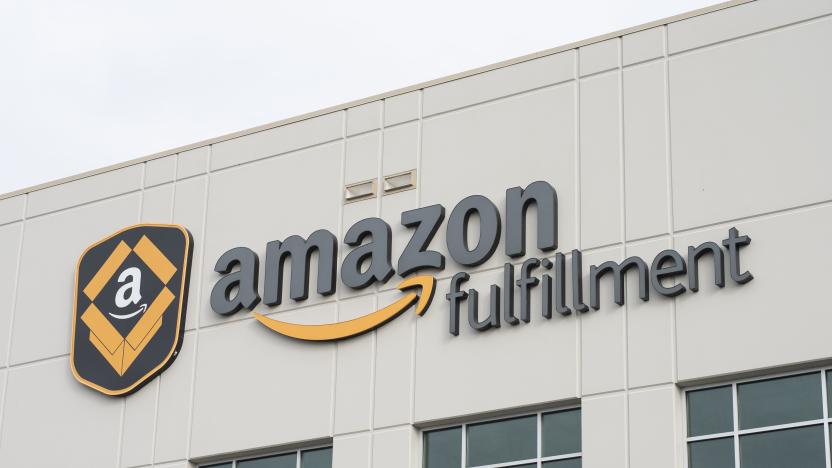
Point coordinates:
[(88, 365)]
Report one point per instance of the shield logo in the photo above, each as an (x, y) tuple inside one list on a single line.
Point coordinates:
[(131, 295)]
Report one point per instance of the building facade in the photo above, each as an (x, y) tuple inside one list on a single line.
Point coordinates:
[(679, 172)]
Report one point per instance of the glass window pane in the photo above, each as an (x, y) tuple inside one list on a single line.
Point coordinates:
[(502, 441), (710, 411), (829, 391), (562, 432), (443, 448), (318, 458), (571, 463), (287, 460), (713, 453), (780, 401), (803, 447), (218, 465)]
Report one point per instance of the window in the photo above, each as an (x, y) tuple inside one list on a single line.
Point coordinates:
[(542, 440), (311, 458), (775, 422)]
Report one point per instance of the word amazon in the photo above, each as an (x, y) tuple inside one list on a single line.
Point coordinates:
[(369, 262)]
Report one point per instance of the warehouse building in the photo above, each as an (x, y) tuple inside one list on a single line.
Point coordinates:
[(609, 254)]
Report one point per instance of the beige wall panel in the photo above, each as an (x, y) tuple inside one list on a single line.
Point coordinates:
[(650, 347), (364, 118), (652, 427), (88, 189), (352, 451), (484, 368), (354, 372), (394, 368), (193, 162), (83, 425), (599, 57), (756, 325), (9, 252), (602, 331), (160, 171), (741, 20), (277, 140), (157, 204), (173, 428), (252, 379), (362, 158), (499, 83), (11, 209), (395, 447), (137, 426), (643, 45), (773, 121), (645, 151), (600, 161), (603, 431), (402, 108), (189, 211), (401, 145), (487, 149)]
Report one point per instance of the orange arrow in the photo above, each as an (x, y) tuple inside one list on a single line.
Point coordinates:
[(365, 323)]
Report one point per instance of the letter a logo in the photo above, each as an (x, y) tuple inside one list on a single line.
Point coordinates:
[(131, 294)]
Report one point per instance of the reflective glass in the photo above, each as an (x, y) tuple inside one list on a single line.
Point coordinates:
[(502, 441), (561, 432), (318, 458), (571, 463), (287, 460), (800, 447), (710, 411), (219, 465), (829, 391), (780, 401), (713, 453), (443, 448)]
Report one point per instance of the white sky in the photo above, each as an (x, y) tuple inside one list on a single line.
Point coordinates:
[(85, 84)]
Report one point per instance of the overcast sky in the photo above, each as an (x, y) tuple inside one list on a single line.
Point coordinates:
[(85, 84)]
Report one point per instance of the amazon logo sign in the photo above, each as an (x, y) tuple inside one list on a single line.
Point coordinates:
[(131, 288), (369, 261)]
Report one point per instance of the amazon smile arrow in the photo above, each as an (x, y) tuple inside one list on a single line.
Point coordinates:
[(363, 324)]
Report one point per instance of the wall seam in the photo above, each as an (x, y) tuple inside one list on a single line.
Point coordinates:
[(192, 392), (623, 233), (11, 317), (161, 376), (334, 373), (760, 32), (677, 452), (578, 217), (374, 339)]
